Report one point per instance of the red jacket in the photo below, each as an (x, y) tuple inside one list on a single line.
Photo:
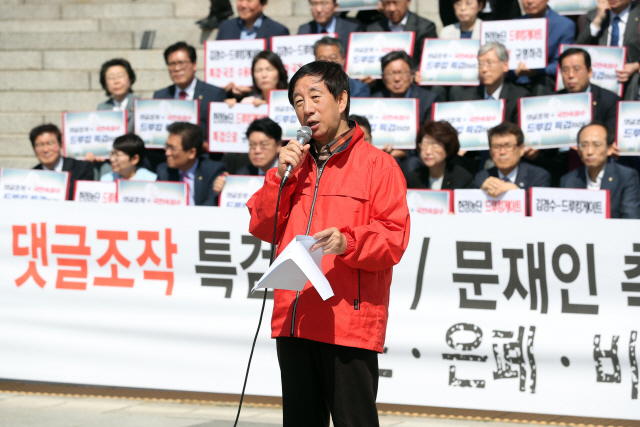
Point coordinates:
[(362, 192)]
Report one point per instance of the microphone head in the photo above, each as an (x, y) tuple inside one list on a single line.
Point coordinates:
[(304, 132)]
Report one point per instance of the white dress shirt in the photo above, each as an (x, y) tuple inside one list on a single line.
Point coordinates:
[(595, 185), (436, 183), (56, 168), (511, 177), (190, 91), (122, 106), (331, 28), (401, 25), (494, 95), (622, 26)]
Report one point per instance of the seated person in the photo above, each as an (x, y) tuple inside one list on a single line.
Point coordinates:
[(187, 162), (330, 49), (506, 147), (46, 141), (594, 147), (364, 124), (468, 25), (251, 23), (326, 20), (116, 78), (494, 10), (438, 144), (127, 158), (268, 73)]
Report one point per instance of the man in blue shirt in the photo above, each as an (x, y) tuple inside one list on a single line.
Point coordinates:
[(251, 23)]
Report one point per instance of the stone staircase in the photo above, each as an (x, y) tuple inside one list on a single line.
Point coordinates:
[(51, 52)]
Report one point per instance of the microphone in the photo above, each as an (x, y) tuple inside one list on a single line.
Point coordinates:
[(303, 135)]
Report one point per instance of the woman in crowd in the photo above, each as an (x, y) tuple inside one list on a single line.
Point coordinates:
[(268, 74), (126, 160), (437, 144), (468, 25)]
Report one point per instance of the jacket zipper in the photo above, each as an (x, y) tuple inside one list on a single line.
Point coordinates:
[(356, 303)]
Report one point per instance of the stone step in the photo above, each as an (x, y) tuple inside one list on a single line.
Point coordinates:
[(146, 81), (17, 145), (142, 24), (20, 123), (163, 39), (92, 60), (65, 41), (18, 162), (50, 26), (44, 80), (45, 11), (20, 60), (117, 10), (22, 101)]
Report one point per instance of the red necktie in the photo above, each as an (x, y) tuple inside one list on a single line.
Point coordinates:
[(183, 94)]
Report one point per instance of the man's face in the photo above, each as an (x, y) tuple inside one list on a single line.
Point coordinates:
[(535, 7), (397, 77), (317, 108), (490, 69), (395, 10), (593, 148), (177, 158), (47, 149), (263, 150), (181, 69), (323, 10), (327, 52), (575, 73), (505, 151), (250, 9)]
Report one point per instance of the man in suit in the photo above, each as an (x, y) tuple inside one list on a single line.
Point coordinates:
[(494, 10), (398, 18), (595, 146), (186, 163), (46, 141), (326, 20), (330, 49), (251, 23), (506, 147)]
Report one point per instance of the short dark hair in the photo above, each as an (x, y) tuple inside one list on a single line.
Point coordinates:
[(276, 62), (112, 63), (328, 72), (48, 128), (191, 51), (444, 133), (329, 41), (190, 134), (266, 126), (130, 144), (362, 121), (507, 128), (576, 51), (479, 1), (394, 56), (596, 123)]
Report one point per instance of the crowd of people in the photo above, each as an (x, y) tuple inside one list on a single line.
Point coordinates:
[(437, 161)]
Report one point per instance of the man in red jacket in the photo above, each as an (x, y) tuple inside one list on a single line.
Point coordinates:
[(351, 197)]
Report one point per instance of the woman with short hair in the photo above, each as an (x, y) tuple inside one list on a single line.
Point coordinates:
[(126, 160)]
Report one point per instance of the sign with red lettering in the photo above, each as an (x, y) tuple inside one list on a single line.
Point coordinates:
[(366, 49), (393, 120), (477, 202), (153, 116), (238, 189), (296, 51), (154, 192), (33, 184), (449, 62), (570, 202), (605, 60), (95, 192), (472, 120), (628, 128), (228, 125), (227, 61), (430, 202), (91, 132), (525, 40)]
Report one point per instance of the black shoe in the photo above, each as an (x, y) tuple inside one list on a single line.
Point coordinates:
[(212, 22)]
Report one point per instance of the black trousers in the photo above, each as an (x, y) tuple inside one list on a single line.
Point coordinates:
[(319, 379)]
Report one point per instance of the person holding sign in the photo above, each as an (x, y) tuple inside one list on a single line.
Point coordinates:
[(330, 49), (251, 23), (328, 350), (268, 73), (326, 20), (116, 78), (597, 173), (468, 25), (126, 159)]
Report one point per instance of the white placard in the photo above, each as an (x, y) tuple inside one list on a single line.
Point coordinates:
[(153, 192), (153, 116), (569, 202), (227, 61), (33, 184), (366, 50), (477, 202), (228, 125), (628, 128), (92, 132), (296, 51), (605, 60), (393, 120), (282, 112), (572, 7), (525, 40), (449, 62), (430, 202), (238, 189), (95, 192)]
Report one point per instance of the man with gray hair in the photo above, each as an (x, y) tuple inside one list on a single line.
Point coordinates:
[(493, 65), (330, 49)]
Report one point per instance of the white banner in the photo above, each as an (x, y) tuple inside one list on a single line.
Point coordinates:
[(605, 60), (628, 128), (33, 184), (238, 189), (227, 61), (569, 202), (572, 7), (393, 120), (525, 40), (153, 116), (92, 132), (153, 192), (366, 50), (430, 202), (282, 112), (228, 125), (507, 314), (95, 192), (449, 62), (477, 202), (357, 5), (296, 51)]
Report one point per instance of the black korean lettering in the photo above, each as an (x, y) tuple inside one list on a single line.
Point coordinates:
[(538, 273), (254, 277), (486, 263), (612, 354), (510, 360), (572, 275), (632, 273), (214, 247), (634, 364), (457, 344), (514, 280), (421, 266)]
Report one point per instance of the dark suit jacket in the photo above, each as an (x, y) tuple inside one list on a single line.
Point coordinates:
[(528, 176), (108, 105), (359, 89), (248, 169), (622, 183), (605, 106), (454, 177), (344, 27), (204, 93), (231, 28), (510, 92), (206, 172), (78, 169), (424, 96), (421, 26), (500, 10)]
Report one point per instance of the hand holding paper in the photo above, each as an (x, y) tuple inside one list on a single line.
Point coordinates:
[(331, 240)]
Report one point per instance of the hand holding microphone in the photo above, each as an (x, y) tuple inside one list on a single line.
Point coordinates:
[(292, 155)]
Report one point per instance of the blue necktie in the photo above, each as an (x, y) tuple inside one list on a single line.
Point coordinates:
[(615, 32)]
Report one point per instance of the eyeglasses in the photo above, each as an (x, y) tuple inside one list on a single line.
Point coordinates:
[(178, 64), (320, 5), (263, 146), (490, 64), (393, 74), (434, 146), (172, 148), (47, 144), (507, 147), (112, 78), (586, 145)]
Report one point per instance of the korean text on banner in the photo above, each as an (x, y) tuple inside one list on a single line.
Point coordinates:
[(92, 132), (628, 128), (228, 125), (95, 192), (554, 121), (393, 120), (282, 112), (525, 40), (569, 202), (449, 62), (153, 116), (227, 61), (472, 120), (296, 51), (238, 189), (357, 5), (154, 192), (572, 7), (366, 50), (605, 60), (430, 202), (477, 202), (33, 184)]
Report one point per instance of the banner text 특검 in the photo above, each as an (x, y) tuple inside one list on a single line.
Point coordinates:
[(33, 184), (153, 192), (472, 120), (227, 61), (238, 189), (525, 40), (569, 202), (628, 128), (228, 126), (430, 202), (449, 62), (92, 132), (605, 60), (153, 116), (554, 121), (95, 192), (296, 51), (366, 50), (572, 7), (282, 112), (393, 120), (477, 202)]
